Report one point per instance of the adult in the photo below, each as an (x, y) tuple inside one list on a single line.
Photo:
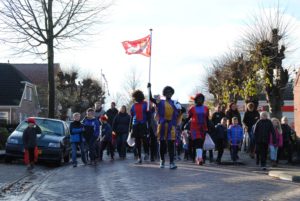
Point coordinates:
[(199, 116), (121, 129), (250, 118), (287, 139), (262, 131), (138, 125), (111, 113), (167, 121), (99, 110), (217, 115), (231, 112)]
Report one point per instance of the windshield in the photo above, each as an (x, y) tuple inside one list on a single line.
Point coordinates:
[(49, 127)]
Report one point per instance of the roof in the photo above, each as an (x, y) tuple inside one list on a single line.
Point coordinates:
[(37, 73), (11, 88)]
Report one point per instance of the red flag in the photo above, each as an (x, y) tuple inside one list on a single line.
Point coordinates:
[(141, 46)]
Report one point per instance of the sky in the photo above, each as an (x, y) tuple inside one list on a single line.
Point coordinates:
[(187, 36)]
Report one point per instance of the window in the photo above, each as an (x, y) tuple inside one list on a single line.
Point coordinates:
[(28, 93), (3, 117)]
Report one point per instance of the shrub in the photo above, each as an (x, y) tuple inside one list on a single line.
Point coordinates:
[(3, 137)]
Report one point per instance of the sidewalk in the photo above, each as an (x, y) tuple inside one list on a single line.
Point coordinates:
[(283, 171), (10, 173)]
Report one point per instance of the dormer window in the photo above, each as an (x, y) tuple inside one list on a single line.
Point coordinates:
[(28, 93)]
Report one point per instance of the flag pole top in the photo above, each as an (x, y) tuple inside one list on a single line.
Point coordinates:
[(150, 29)]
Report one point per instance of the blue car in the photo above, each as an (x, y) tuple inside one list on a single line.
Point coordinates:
[(53, 143)]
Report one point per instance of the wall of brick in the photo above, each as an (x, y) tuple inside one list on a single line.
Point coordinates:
[(297, 104)]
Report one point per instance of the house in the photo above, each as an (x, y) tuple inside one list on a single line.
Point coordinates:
[(297, 103), (38, 75), (18, 95)]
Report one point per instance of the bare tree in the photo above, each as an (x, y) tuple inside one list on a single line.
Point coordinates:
[(40, 26), (131, 83)]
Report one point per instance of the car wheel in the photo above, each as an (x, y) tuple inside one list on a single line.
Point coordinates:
[(60, 161), (67, 157), (8, 159)]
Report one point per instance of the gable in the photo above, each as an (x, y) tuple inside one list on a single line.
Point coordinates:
[(11, 86)]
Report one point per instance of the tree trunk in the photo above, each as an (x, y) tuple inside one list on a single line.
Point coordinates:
[(275, 101), (50, 49)]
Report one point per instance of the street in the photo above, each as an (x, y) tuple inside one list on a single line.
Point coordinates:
[(122, 180)]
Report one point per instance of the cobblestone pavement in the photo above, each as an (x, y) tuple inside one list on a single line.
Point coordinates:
[(122, 180)]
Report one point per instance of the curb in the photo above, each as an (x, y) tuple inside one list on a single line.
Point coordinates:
[(287, 176)]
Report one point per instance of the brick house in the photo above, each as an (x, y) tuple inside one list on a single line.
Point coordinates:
[(297, 103), (38, 74), (18, 96)]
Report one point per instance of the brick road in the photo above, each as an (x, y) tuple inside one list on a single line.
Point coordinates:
[(122, 180)]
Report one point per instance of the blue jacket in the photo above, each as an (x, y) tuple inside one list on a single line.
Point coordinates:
[(92, 127), (76, 130), (235, 134), (106, 132)]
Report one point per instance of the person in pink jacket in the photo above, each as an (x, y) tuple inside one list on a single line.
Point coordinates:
[(279, 141)]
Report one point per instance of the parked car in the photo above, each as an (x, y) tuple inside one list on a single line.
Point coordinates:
[(53, 143)]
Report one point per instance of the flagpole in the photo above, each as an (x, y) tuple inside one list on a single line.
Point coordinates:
[(150, 68)]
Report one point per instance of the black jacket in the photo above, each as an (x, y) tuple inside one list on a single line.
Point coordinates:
[(216, 117), (29, 136), (233, 113), (250, 118), (262, 131), (221, 132), (286, 134), (111, 114), (121, 123)]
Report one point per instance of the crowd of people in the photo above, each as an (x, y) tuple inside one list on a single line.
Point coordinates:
[(162, 126)]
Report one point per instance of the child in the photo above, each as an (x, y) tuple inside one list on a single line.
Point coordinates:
[(91, 133), (221, 138), (105, 138), (76, 130), (278, 143), (185, 143), (235, 138), (29, 140)]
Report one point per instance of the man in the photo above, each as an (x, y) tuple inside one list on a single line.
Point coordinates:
[(111, 113), (99, 110)]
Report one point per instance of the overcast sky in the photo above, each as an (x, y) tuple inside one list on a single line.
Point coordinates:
[(187, 36)]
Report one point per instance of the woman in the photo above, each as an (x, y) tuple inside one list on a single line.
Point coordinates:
[(199, 116), (250, 118), (287, 140), (121, 129), (139, 119), (278, 143), (262, 132), (233, 112)]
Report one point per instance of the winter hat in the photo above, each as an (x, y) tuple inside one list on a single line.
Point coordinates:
[(103, 118), (31, 120)]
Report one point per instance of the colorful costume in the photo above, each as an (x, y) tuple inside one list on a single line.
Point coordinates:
[(199, 116), (168, 115)]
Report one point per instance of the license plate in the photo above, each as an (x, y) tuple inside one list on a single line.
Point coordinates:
[(40, 152)]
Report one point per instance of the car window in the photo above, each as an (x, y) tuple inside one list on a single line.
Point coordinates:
[(48, 127)]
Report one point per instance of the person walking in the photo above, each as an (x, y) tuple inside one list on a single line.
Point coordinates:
[(99, 110), (199, 116), (29, 139), (138, 122), (287, 140), (235, 138), (111, 113), (167, 121), (278, 142), (121, 129), (91, 133), (250, 118), (76, 138), (221, 138), (105, 138), (262, 131)]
